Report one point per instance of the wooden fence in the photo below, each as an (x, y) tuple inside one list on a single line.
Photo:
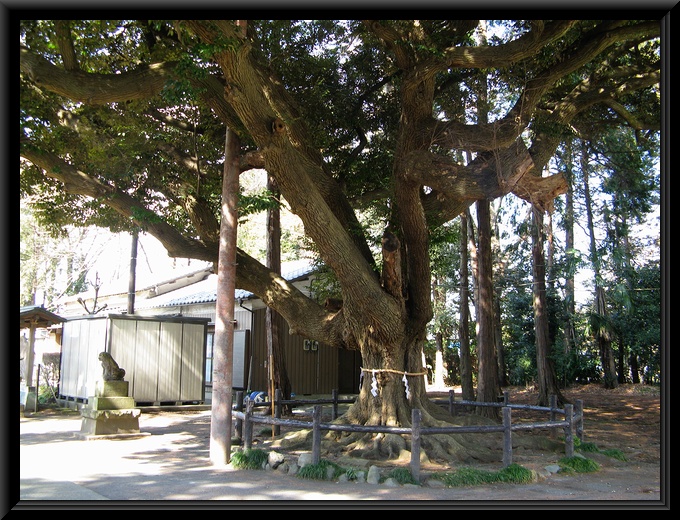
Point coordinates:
[(572, 424)]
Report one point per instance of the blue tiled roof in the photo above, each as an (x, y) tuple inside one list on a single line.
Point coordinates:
[(205, 291)]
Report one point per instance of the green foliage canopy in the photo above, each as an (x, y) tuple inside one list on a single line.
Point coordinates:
[(122, 125)]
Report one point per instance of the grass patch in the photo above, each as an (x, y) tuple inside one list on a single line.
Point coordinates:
[(515, 474), (512, 474), (615, 454), (587, 447), (324, 470), (403, 476), (249, 459), (578, 465), (590, 447), (351, 474)]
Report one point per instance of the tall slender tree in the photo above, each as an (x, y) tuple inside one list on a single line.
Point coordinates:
[(600, 324), (488, 386), (223, 345), (497, 311), (545, 368), (466, 365), (279, 373), (570, 249), (488, 382)]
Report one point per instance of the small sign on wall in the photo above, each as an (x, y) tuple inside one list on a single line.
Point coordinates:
[(309, 344)]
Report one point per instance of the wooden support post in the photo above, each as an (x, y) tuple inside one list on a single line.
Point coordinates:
[(316, 434), (334, 413), (452, 398), (279, 397), (248, 426), (507, 436), (238, 427), (553, 414), (223, 343), (37, 388), (569, 430), (415, 444)]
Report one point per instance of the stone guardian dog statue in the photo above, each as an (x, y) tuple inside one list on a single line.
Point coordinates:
[(112, 372)]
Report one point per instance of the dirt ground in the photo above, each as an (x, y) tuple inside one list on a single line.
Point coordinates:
[(627, 418)]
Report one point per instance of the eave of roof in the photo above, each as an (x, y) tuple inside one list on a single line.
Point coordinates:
[(205, 291), (38, 316)]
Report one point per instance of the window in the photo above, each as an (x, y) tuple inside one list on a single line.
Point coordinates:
[(209, 357)]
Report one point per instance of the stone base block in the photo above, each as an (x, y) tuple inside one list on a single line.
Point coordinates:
[(111, 403), (109, 422), (111, 388)]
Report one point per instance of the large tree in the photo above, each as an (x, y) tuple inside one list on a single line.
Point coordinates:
[(359, 122)]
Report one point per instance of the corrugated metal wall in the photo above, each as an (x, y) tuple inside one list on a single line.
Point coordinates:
[(143, 371), (193, 362), (310, 371), (164, 360), (170, 358), (82, 341), (125, 334)]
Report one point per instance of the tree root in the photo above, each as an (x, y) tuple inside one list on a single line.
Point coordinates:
[(459, 448)]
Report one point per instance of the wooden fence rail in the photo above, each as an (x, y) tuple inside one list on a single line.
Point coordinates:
[(572, 424)]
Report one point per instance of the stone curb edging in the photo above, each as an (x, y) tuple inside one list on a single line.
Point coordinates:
[(278, 462)]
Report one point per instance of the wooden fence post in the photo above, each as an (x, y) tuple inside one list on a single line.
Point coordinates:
[(248, 425), (452, 398), (578, 410), (573, 423), (277, 409), (334, 413), (316, 434), (553, 414), (569, 430), (506, 398), (507, 436), (415, 444), (239, 408)]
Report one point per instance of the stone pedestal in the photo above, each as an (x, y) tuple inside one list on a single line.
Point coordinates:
[(110, 412)]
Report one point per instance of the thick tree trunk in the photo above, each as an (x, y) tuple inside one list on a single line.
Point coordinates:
[(497, 326), (467, 387), (569, 290), (439, 365), (634, 369), (547, 380), (223, 348), (605, 344), (488, 387), (387, 396), (279, 374), (601, 330), (498, 340), (621, 370)]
